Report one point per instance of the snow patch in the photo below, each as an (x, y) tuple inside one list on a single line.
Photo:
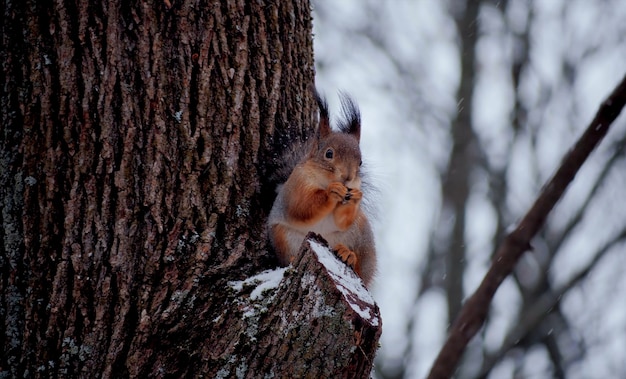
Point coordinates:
[(264, 281), (350, 285)]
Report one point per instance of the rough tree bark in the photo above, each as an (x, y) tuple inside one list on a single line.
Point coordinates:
[(137, 139)]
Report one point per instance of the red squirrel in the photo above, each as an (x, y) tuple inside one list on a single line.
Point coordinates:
[(323, 195)]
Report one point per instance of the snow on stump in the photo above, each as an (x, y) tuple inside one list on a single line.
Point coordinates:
[(314, 319)]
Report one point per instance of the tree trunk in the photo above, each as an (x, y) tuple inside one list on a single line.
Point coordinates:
[(137, 140)]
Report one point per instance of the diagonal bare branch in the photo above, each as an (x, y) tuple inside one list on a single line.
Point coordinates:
[(539, 310), (474, 311), (616, 157)]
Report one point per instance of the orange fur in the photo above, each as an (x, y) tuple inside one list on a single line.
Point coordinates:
[(322, 194), (279, 239), (345, 213)]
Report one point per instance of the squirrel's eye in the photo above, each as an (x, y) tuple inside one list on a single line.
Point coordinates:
[(360, 163), (329, 154)]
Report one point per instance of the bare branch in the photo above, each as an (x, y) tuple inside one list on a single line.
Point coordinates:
[(616, 157), (540, 309), (474, 311)]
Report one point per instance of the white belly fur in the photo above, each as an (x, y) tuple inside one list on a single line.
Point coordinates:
[(325, 227)]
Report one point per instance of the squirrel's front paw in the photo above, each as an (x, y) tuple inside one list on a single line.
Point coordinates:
[(339, 190), (346, 255), (353, 194)]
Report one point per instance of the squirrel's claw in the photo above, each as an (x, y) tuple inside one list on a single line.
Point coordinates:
[(346, 255)]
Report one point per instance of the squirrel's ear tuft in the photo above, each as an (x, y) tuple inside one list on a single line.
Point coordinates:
[(323, 129), (351, 122)]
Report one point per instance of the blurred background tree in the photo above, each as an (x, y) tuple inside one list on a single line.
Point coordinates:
[(468, 108)]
